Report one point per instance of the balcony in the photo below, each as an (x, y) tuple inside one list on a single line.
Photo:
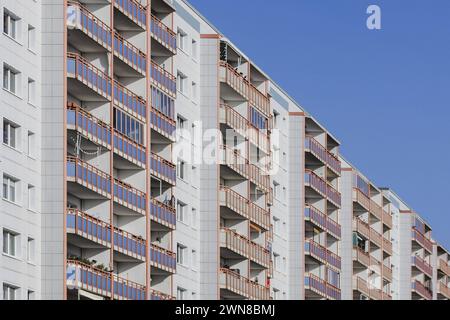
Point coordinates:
[(240, 124), (361, 285), (244, 247), (88, 176), (163, 34), (443, 289), (313, 146), (361, 256), (387, 273), (129, 244), (163, 169), (163, 214), (130, 54), (361, 227), (360, 198), (88, 227), (387, 296), (322, 254), (244, 207), (241, 166), (387, 219), (129, 197), (376, 238), (244, 88), (421, 290), (422, 240), (88, 126), (387, 246), (128, 149), (133, 10), (376, 210), (163, 80), (422, 266), (81, 19), (444, 266), (129, 101), (88, 76), (322, 288), (242, 286), (163, 259), (323, 221), (163, 124), (322, 187)]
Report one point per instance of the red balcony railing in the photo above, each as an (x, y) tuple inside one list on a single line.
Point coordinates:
[(245, 247), (163, 258), (130, 54), (86, 226), (129, 196), (422, 240), (323, 154), (376, 237), (164, 214), (444, 289), (322, 187), (387, 219), (422, 290), (88, 176), (322, 220), (129, 149), (422, 265), (129, 101), (444, 266), (387, 246), (361, 285), (361, 256), (322, 254), (322, 288), (163, 34), (163, 79), (361, 198), (387, 272), (362, 227), (235, 80), (133, 10), (163, 169), (376, 210), (163, 124), (240, 285)]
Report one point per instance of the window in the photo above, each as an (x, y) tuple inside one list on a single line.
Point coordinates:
[(181, 211), (31, 37), (10, 244), (194, 259), (182, 83), (276, 190), (276, 225), (181, 169), (9, 188), (194, 49), (276, 262), (10, 24), (181, 293), (31, 197), (31, 91), (10, 133), (194, 91), (182, 40), (30, 250), (31, 145), (276, 117), (276, 294), (181, 254), (10, 292), (10, 79), (30, 295), (194, 217), (181, 123)]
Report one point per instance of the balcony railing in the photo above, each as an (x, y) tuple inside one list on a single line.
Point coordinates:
[(235, 80), (322, 288), (361, 285), (129, 101), (444, 289), (361, 256), (387, 219), (422, 265), (423, 291), (85, 277), (323, 154), (422, 240), (322, 254), (130, 54), (238, 163), (163, 258), (242, 286), (387, 272), (88, 176), (362, 227), (320, 219), (90, 127), (239, 123), (133, 10), (163, 34), (387, 296), (163, 124), (129, 149), (245, 207), (129, 244), (163, 169), (361, 198), (387, 246), (163, 214), (82, 70), (88, 227), (376, 237), (245, 247), (163, 79), (322, 187), (81, 18), (129, 197), (444, 266), (376, 210)]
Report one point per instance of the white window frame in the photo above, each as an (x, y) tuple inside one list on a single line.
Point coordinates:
[(10, 237), (181, 212), (8, 289), (181, 254), (12, 24), (31, 91), (11, 76), (31, 144), (31, 250), (182, 38), (182, 83), (11, 134), (31, 38), (10, 186)]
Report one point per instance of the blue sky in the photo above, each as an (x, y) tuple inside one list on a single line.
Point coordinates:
[(384, 94)]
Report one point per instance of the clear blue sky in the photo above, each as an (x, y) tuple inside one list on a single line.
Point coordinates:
[(384, 94)]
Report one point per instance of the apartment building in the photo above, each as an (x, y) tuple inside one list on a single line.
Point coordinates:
[(20, 154), (367, 246), (146, 157)]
